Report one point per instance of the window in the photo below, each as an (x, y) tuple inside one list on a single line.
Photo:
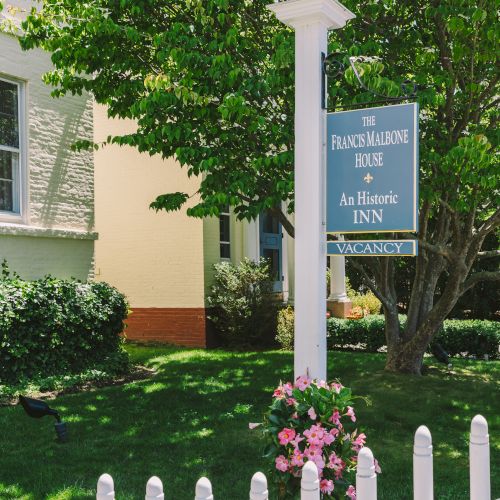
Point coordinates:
[(10, 147), (225, 240)]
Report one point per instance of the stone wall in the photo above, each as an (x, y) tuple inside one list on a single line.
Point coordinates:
[(54, 234)]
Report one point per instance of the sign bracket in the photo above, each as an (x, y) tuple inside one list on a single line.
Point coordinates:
[(333, 66)]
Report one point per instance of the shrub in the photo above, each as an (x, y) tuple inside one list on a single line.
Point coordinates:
[(312, 420), (457, 337), (466, 337), (243, 305), (366, 333), (285, 328), (367, 302), (54, 327)]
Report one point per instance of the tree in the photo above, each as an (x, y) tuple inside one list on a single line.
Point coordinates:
[(207, 81), (448, 49), (211, 82)]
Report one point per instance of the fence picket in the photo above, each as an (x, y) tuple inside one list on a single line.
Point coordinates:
[(203, 489), (479, 459), (423, 479), (366, 478), (258, 487), (154, 489), (309, 484), (105, 488)]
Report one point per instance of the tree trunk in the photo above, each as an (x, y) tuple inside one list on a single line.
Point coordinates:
[(405, 360)]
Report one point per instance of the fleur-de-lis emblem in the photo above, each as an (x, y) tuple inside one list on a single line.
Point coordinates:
[(368, 178)]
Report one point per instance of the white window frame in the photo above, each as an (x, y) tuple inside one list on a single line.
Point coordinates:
[(223, 242), (19, 177)]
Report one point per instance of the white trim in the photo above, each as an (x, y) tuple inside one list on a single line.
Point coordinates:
[(20, 176), (12, 229), (296, 13)]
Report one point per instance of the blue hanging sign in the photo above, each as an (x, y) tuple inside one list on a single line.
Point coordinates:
[(372, 170), (374, 248)]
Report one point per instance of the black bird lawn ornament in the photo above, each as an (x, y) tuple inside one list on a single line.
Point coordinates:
[(38, 409)]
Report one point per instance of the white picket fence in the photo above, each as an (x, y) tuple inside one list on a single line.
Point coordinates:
[(366, 478)]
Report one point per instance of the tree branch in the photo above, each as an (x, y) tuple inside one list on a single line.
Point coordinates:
[(284, 221), (488, 254), (488, 225), (441, 250), (476, 278), (370, 284)]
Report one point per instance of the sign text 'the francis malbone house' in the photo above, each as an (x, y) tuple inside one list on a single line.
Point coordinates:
[(372, 170)]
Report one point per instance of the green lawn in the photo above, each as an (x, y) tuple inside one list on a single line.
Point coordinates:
[(192, 418)]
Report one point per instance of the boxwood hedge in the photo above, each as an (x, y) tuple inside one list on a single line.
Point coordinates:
[(457, 337), (52, 326)]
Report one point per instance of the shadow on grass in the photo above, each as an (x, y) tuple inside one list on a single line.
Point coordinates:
[(191, 419)]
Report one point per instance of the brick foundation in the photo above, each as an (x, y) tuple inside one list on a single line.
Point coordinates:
[(180, 326)]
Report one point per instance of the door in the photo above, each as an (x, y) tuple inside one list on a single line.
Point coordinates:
[(271, 242)]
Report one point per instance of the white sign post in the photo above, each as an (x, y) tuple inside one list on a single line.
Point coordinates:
[(311, 20)]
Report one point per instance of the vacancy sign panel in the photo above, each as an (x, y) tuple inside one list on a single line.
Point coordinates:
[(372, 170), (373, 248)]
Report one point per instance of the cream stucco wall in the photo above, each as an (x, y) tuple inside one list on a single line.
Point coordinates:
[(54, 234), (155, 259)]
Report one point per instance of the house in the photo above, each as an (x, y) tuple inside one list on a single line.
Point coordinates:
[(163, 262), (46, 190), (54, 202)]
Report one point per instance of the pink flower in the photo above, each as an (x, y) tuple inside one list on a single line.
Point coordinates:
[(329, 437), (322, 383), (295, 442), (378, 470), (315, 435), (312, 452), (290, 401), (326, 486), (281, 463), (253, 425), (351, 492), (297, 458), (359, 442), (303, 382), (315, 454), (335, 462), (279, 392), (350, 413), (286, 435), (283, 390), (335, 418), (295, 415), (336, 386), (312, 413)]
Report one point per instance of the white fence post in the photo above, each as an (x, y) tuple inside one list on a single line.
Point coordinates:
[(258, 487), (203, 489), (479, 451), (366, 478), (309, 484), (105, 488), (423, 479), (154, 489)]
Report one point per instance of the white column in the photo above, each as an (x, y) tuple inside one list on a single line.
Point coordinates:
[(252, 246), (311, 20), (337, 279)]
